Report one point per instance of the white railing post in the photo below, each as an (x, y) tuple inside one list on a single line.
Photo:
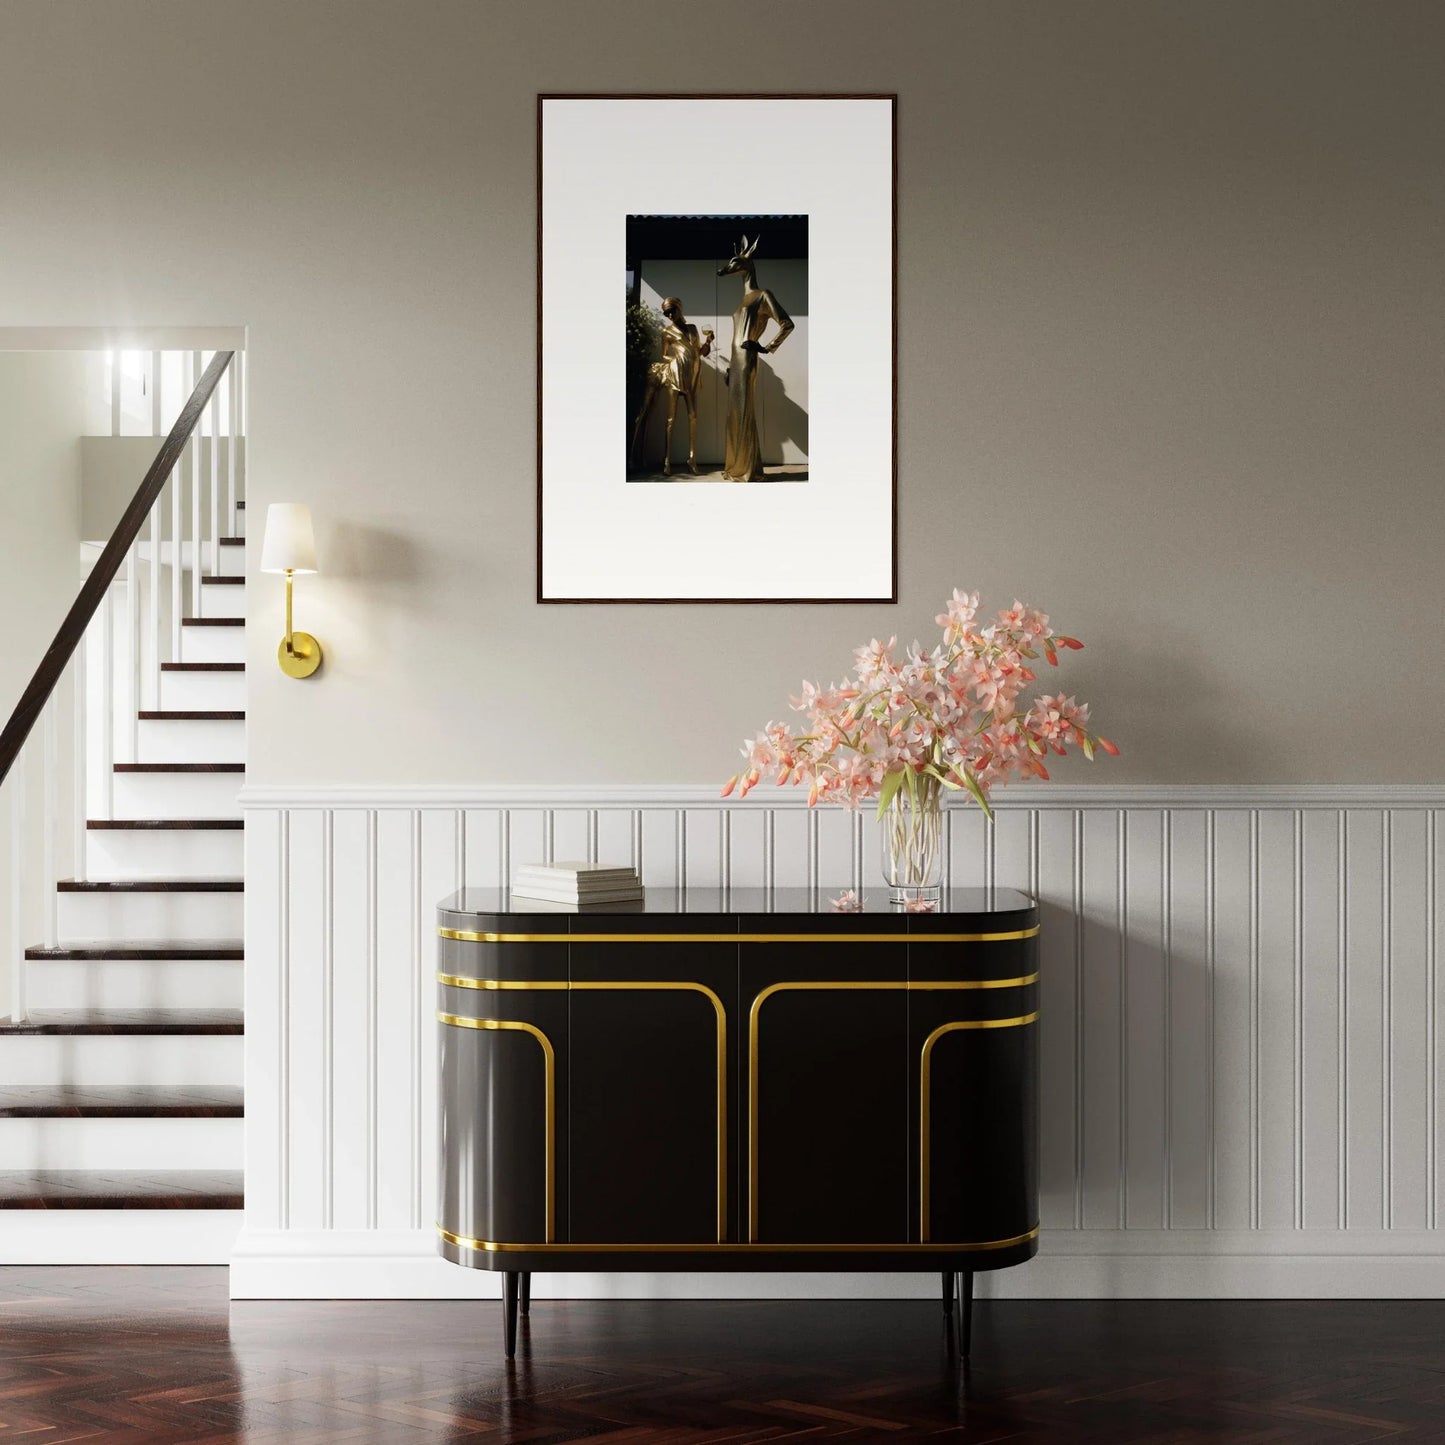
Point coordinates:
[(193, 446), (233, 429), (177, 486), (132, 642), (154, 601), (81, 801), (214, 408), (50, 791), (107, 703), (17, 889)]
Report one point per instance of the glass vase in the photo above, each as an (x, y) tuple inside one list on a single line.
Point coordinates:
[(912, 850)]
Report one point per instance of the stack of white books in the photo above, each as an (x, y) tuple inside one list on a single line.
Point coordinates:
[(577, 883)]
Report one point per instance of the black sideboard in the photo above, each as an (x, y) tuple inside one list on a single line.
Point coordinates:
[(738, 1081)]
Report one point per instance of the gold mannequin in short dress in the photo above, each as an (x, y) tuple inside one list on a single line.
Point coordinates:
[(744, 458), (677, 374)]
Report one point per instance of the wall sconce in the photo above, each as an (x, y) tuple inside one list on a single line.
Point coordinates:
[(290, 547)]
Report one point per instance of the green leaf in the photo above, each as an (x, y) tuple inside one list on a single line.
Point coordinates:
[(942, 778), (886, 793), (978, 797), (1089, 748)]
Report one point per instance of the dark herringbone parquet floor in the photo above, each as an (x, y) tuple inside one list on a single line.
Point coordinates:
[(159, 1355)]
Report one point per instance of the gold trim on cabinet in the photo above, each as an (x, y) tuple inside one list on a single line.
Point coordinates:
[(925, 1103), (453, 980), (461, 935), (906, 985), (549, 1061), (488, 1246)]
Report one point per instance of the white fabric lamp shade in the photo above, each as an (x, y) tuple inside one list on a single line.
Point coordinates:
[(290, 545)]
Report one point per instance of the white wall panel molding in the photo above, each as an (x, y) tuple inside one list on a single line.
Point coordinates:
[(1240, 1034)]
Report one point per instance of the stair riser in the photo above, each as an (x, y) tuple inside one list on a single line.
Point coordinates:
[(233, 562), (165, 853), (223, 601), (85, 917), (177, 795), (121, 1059), (191, 740), (131, 983), (203, 692), (213, 644), (121, 1143)]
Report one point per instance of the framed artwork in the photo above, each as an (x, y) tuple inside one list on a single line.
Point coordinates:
[(722, 428)]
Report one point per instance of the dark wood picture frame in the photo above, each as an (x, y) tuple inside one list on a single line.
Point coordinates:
[(892, 99)]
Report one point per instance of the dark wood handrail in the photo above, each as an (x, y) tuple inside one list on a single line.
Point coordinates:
[(93, 589)]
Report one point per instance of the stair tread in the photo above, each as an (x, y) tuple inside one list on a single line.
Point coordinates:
[(195, 824), (223, 581), (213, 621), (232, 541), (121, 1101), (203, 667), (173, 714), (121, 1189), (158, 949), (128, 1021), (151, 885), (179, 767)]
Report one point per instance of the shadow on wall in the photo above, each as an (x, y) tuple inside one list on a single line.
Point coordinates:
[(370, 574), (780, 418)]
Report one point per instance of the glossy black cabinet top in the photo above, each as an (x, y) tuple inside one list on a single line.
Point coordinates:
[(994, 907)]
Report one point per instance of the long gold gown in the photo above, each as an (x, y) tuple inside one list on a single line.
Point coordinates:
[(743, 457)]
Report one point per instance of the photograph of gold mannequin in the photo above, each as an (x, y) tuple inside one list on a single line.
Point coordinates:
[(677, 374), (743, 461)]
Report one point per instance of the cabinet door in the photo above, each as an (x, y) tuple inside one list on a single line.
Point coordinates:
[(826, 1151), (653, 1050), (973, 1055)]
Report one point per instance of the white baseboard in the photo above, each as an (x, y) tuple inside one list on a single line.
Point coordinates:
[(119, 1236), (1089, 1264)]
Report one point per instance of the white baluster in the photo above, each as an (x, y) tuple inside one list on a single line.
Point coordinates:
[(80, 803), (215, 518), (17, 889), (194, 447), (107, 702), (50, 787), (132, 642), (116, 367), (233, 430), (154, 601), (177, 484)]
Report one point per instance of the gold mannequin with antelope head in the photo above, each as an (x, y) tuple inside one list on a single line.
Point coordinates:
[(743, 458)]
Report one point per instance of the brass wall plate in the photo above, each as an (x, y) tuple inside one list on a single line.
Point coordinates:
[(302, 658)]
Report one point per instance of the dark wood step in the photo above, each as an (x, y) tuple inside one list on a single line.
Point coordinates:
[(154, 950), (213, 621), (179, 767), (150, 885), (197, 825), (241, 506), (223, 581), (122, 1189), (203, 667), (128, 1021), (121, 1101), (182, 715), (232, 541)]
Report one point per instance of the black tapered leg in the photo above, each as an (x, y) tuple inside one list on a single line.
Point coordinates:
[(966, 1312), (509, 1311), (526, 1293), (948, 1292)]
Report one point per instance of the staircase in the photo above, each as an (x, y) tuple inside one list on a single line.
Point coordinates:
[(121, 1067)]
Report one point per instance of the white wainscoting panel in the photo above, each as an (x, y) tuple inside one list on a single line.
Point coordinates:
[(1241, 1022)]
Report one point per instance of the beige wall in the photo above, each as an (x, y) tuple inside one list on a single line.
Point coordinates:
[(1170, 354)]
